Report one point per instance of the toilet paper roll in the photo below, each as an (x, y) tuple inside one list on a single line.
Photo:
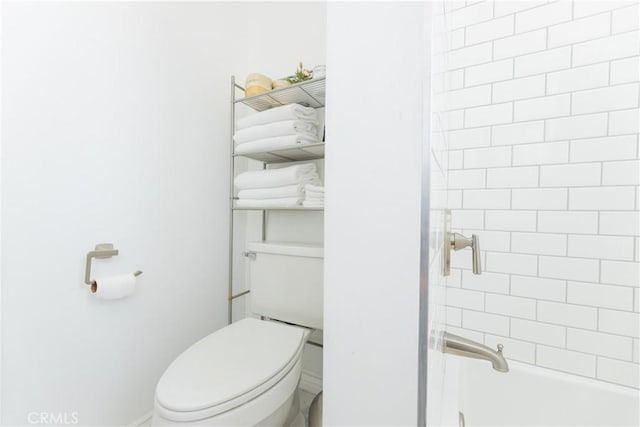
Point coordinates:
[(114, 287)]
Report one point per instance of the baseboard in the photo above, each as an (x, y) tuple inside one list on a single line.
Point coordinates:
[(311, 382), (143, 421)]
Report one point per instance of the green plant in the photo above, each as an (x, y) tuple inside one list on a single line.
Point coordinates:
[(301, 75)]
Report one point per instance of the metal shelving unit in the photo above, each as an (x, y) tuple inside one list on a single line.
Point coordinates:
[(310, 93)]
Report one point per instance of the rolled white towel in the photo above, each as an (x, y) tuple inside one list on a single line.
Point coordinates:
[(312, 204), (285, 202), (288, 127), (277, 114), (296, 190), (272, 144), (296, 174)]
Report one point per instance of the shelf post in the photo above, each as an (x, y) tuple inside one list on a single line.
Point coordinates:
[(231, 177)]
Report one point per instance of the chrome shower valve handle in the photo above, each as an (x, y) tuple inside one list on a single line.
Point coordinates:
[(455, 242)]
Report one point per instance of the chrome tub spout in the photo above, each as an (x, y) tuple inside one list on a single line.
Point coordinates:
[(454, 344)]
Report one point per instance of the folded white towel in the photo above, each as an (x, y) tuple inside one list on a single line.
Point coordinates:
[(316, 188), (296, 174), (296, 190), (307, 204), (272, 144), (289, 127), (313, 193), (285, 202), (277, 114)]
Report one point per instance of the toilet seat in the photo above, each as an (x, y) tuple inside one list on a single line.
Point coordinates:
[(229, 368)]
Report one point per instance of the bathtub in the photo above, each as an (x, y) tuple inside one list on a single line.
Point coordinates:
[(529, 395)]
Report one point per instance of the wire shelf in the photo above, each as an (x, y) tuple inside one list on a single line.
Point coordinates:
[(296, 208), (310, 93), (292, 153)]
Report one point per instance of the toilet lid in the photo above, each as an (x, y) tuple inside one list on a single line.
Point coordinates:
[(229, 366)]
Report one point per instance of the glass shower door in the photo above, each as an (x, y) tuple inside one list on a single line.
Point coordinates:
[(438, 382)]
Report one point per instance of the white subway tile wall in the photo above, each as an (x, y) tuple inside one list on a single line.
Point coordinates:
[(543, 166)]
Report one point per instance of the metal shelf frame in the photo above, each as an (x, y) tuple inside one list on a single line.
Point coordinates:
[(310, 93)]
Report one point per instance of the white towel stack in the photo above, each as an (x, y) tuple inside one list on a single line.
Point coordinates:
[(276, 128), (313, 196), (270, 188)]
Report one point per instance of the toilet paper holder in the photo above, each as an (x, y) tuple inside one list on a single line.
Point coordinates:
[(102, 250)]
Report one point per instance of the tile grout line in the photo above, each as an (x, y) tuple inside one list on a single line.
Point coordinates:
[(545, 73), (514, 77), (569, 95), (610, 22), (538, 29), (627, 338), (557, 70)]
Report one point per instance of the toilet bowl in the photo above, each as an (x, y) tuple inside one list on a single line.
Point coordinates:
[(244, 374), (247, 373)]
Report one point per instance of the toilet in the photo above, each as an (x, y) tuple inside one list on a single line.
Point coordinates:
[(247, 373)]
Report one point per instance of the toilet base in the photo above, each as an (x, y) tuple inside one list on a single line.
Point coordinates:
[(286, 416), (298, 421)]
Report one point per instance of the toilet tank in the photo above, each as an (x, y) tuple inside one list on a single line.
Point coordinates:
[(286, 282)]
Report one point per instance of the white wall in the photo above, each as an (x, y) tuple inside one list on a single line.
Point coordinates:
[(372, 217), (544, 167), (115, 129), (281, 34)]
